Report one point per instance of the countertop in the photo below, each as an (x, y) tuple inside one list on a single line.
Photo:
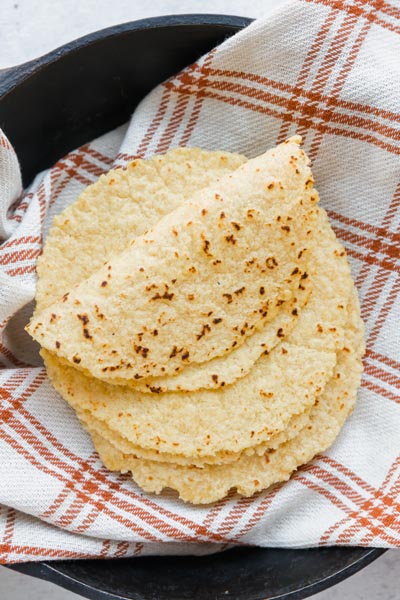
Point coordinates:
[(29, 28)]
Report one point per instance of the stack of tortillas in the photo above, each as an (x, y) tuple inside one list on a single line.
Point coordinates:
[(198, 313)]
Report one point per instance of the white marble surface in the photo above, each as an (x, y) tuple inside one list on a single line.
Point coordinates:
[(29, 28)]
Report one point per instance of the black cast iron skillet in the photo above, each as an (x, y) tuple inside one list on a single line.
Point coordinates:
[(52, 105)]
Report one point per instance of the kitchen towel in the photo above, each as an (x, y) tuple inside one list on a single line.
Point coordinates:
[(329, 70)]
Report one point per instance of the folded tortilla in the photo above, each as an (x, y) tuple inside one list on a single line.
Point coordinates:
[(197, 285)]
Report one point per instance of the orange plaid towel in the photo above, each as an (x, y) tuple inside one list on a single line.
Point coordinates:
[(329, 70)]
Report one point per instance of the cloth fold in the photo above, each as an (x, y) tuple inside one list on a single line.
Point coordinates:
[(326, 69)]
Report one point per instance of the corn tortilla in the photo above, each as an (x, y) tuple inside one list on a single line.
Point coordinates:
[(250, 474), (321, 320), (321, 323), (279, 399), (202, 423), (137, 197), (93, 425), (128, 320), (119, 206)]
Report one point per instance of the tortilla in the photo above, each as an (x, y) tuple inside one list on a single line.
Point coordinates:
[(128, 320), (205, 422), (137, 196), (227, 369), (322, 318), (332, 285), (93, 425), (119, 206), (250, 474)]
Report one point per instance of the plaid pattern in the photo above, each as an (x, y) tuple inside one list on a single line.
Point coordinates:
[(327, 69)]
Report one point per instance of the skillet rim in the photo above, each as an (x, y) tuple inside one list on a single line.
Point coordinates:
[(12, 76)]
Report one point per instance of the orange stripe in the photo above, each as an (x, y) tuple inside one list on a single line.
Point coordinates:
[(357, 11), (11, 357), (26, 239), (308, 94), (198, 102), (155, 123), (21, 270), (62, 181), (307, 64), (79, 157), (365, 523), (390, 266), (10, 385), (335, 482), (85, 165), (124, 156), (328, 533), (55, 504), (214, 511), (97, 155), (393, 468), (333, 53), (376, 230), (78, 176), (138, 549), (173, 125), (259, 513), (374, 244), (5, 143), (377, 389), (390, 362), (69, 516), (378, 494), (18, 406), (374, 290), (106, 545), (52, 460), (29, 551), (234, 516), (390, 10), (41, 198), (347, 472), (99, 477), (88, 521), (382, 231), (315, 48), (371, 510), (122, 549), (10, 526), (341, 79), (338, 86), (391, 213), (343, 487), (383, 376), (307, 110), (304, 121), (19, 255), (19, 209)]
